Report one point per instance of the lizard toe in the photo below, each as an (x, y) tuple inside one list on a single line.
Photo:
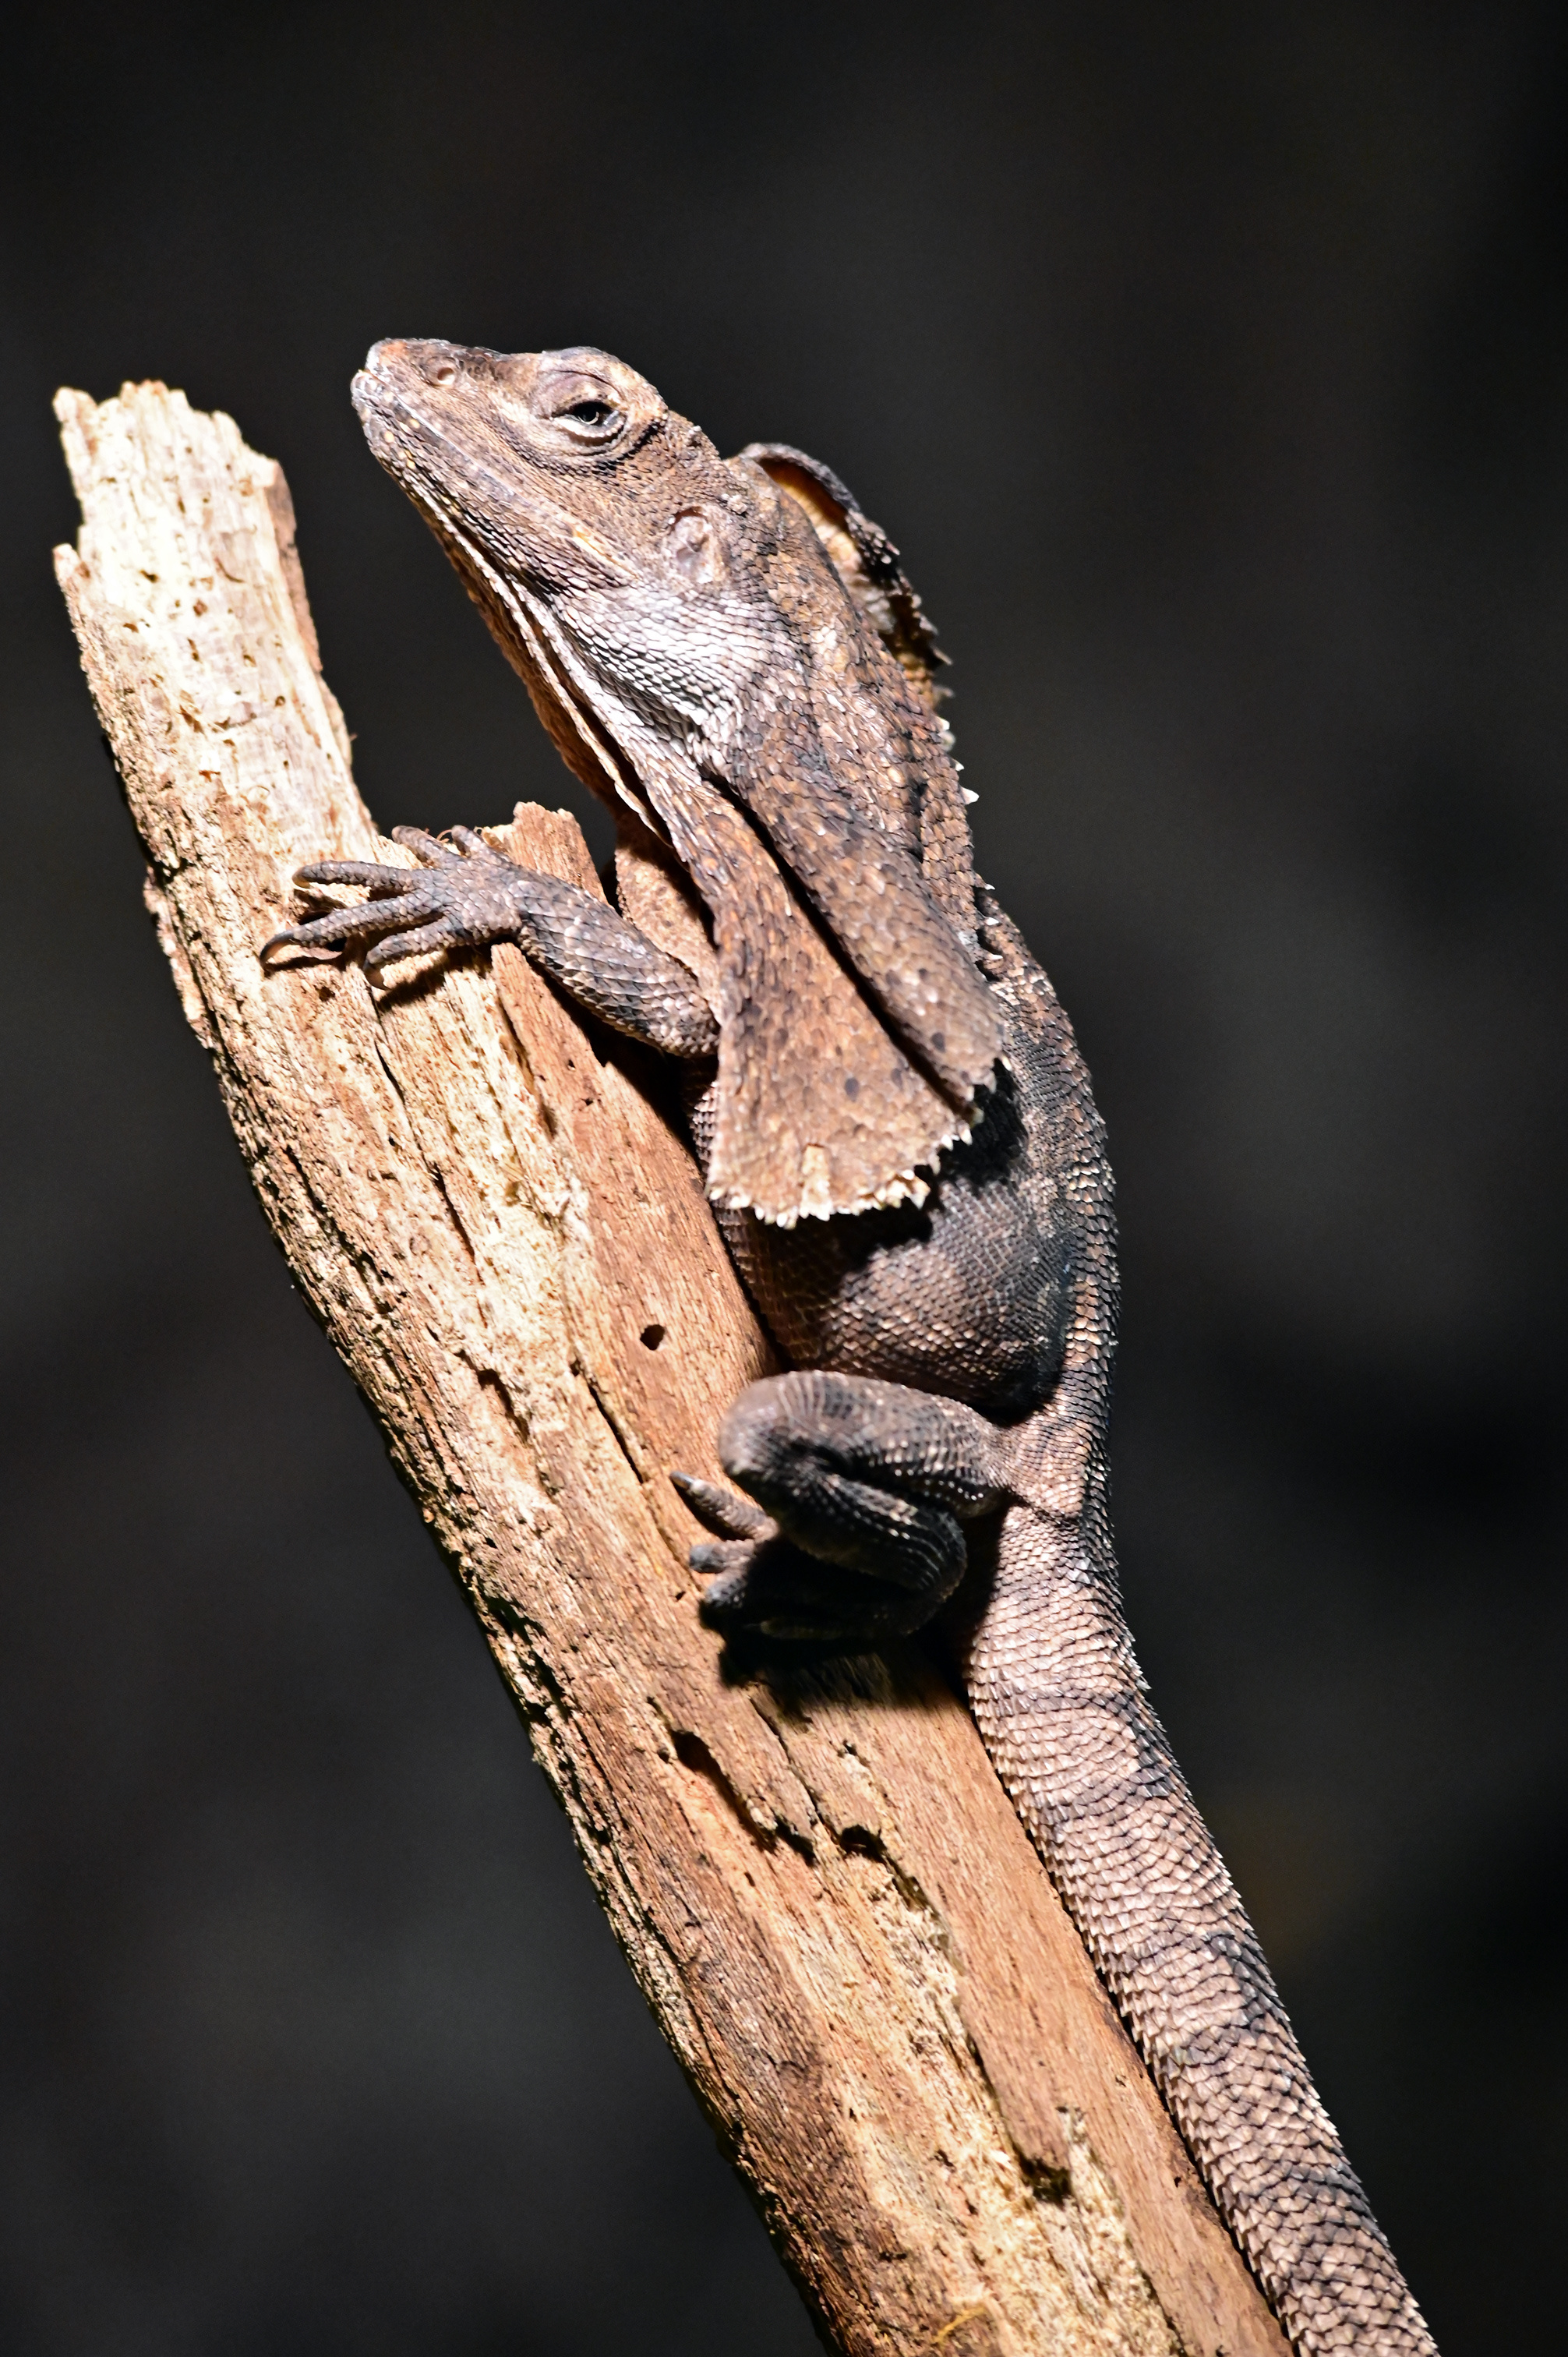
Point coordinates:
[(722, 1511)]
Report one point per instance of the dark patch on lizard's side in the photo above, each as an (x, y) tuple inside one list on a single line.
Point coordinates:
[(734, 653), (893, 1294)]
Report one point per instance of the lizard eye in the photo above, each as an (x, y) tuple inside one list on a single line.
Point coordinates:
[(588, 412)]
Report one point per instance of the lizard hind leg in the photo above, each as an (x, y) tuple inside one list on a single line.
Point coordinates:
[(867, 1486)]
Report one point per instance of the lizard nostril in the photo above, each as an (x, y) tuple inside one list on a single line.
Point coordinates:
[(441, 372)]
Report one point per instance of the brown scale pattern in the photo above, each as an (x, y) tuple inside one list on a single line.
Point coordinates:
[(1055, 1690)]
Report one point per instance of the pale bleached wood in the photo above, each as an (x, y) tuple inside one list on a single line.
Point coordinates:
[(819, 1882)]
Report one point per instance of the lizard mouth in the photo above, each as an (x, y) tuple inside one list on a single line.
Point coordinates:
[(381, 395), (381, 407), (374, 391)]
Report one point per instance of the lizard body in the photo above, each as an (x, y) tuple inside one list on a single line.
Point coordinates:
[(903, 1154)]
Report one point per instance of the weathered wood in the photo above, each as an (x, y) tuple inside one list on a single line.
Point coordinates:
[(819, 1882)]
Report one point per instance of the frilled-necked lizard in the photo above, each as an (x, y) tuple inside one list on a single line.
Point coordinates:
[(902, 1150)]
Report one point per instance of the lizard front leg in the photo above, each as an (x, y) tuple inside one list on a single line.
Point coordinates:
[(461, 898), (865, 1486)]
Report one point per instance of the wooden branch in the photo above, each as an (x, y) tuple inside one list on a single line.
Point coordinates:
[(820, 1884)]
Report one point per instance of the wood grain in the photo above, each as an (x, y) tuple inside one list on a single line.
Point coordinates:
[(818, 1881)]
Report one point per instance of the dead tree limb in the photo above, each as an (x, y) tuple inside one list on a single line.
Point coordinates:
[(820, 1884)]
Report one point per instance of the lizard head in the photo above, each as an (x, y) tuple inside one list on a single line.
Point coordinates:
[(568, 468), (509, 449), (587, 522)]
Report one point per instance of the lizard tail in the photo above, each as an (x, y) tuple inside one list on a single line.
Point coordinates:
[(1055, 1687)]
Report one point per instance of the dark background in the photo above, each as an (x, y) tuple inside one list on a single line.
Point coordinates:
[(1208, 364)]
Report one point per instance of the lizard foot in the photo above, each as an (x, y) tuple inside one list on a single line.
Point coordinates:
[(460, 898), (864, 1488), (455, 900)]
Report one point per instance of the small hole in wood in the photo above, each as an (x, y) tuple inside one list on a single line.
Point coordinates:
[(652, 1337)]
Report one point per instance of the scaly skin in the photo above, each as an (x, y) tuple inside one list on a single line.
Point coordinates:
[(732, 651)]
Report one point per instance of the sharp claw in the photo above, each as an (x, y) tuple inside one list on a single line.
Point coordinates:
[(288, 938), (472, 842)]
